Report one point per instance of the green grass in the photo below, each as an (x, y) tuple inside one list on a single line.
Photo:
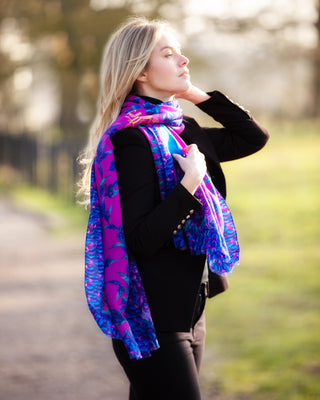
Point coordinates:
[(263, 334), (63, 215)]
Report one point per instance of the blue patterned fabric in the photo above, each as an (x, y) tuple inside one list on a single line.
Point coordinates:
[(113, 285)]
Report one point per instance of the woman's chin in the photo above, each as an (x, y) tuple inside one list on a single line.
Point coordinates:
[(184, 88)]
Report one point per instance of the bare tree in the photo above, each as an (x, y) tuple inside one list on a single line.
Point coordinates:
[(75, 34), (285, 49)]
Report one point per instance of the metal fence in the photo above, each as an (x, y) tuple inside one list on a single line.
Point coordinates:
[(51, 166)]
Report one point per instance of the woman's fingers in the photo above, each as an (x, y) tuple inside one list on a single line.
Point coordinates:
[(194, 167), (191, 159)]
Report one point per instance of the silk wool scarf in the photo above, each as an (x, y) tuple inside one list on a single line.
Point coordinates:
[(113, 285)]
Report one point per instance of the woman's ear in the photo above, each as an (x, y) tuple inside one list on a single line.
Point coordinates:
[(143, 77)]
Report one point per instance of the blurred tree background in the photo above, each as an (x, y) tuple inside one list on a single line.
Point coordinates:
[(265, 54)]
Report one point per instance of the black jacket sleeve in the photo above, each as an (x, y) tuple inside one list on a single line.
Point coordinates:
[(148, 221), (240, 136)]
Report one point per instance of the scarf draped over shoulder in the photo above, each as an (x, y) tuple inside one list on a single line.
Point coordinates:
[(113, 285)]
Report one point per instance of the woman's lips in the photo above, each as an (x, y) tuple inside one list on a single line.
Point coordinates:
[(184, 74)]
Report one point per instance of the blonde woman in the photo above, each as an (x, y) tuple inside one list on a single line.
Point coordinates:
[(160, 237)]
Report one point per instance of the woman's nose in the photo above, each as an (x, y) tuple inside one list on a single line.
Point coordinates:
[(184, 60)]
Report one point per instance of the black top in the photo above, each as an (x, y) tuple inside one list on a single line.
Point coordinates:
[(171, 277)]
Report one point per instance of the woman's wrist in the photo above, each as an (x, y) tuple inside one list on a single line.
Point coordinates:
[(190, 183), (194, 95)]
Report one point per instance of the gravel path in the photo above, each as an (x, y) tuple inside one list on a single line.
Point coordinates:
[(50, 347)]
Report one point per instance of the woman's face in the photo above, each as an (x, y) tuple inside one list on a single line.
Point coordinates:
[(167, 73)]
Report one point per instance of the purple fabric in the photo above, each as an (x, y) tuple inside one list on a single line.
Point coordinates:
[(114, 290)]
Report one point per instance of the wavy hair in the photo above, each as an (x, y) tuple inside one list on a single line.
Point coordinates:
[(126, 56)]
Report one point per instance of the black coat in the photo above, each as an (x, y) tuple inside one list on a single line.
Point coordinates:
[(171, 277)]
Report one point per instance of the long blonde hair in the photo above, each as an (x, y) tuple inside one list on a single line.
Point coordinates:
[(126, 56)]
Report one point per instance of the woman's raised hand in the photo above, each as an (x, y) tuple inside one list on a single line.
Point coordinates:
[(194, 95), (194, 168)]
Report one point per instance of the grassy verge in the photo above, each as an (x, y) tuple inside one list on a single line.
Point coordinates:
[(63, 215), (263, 334)]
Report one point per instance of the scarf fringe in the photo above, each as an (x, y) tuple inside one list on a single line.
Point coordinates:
[(201, 240)]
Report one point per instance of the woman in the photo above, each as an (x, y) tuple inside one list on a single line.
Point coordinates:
[(160, 236)]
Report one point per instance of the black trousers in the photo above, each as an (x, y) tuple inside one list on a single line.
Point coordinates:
[(172, 372)]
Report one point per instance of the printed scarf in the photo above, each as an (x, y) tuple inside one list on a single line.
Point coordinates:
[(113, 285)]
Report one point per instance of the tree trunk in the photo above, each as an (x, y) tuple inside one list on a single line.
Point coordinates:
[(70, 125)]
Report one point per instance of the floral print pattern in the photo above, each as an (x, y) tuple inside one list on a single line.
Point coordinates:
[(113, 285)]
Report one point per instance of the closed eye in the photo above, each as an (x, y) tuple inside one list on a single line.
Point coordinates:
[(171, 50)]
